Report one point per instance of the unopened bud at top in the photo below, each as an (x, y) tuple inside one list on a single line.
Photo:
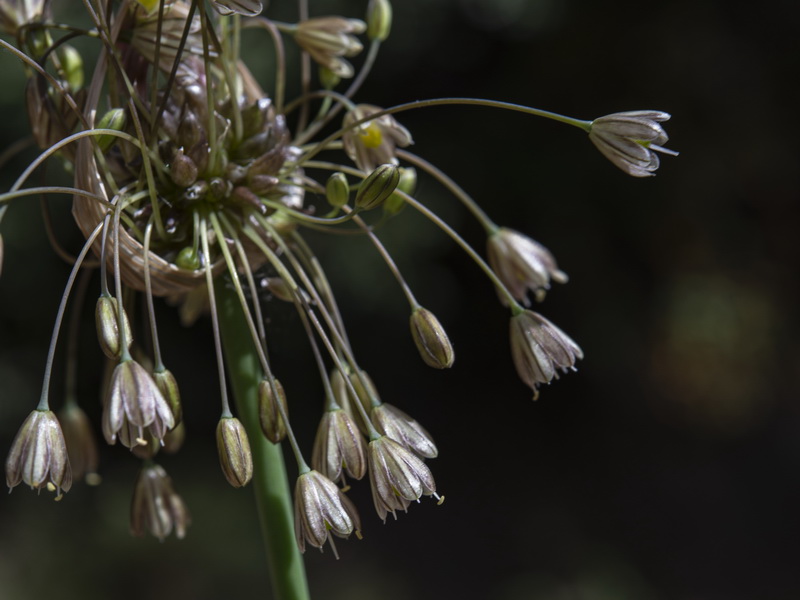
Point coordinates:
[(106, 319), (38, 455), (379, 19), (628, 139), (431, 339), (269, 410), (337, 190), (377, 187), (235, 456)]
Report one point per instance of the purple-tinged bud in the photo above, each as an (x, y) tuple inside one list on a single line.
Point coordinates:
[(38, 455), (339, 447), (182, 170), (397, 425), (156, 508)]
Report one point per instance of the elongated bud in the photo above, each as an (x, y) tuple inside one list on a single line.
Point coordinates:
[(377, 187), (107, 321), (81, 444), (114, 119), (168, 386), (269, 415), (72, 66), (337, 190), (408, 185), (431, 339), (235, 456), (379, 19)]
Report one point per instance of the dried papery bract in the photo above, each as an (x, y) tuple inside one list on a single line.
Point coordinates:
[(38, 455), (431, 339), (135, 401), (397, 476), (246, 8), (373, 142), (522, 264), (156, 508), (81, 443), (320, 509), (397, 425), (540, 349), (328, 39), (339, 447), (235, 456), (630, 139)]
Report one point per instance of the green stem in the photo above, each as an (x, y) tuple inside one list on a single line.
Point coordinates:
[(273, 494)]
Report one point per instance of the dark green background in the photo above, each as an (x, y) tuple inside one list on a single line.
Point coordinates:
[(667, 468)]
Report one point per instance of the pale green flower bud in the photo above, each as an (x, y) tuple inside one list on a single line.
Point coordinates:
[(377, 187), (168, 386), (106, 320), (539, 349), (156, 508), (269, 414), (235, 456), (379, 19), (320, 508), (407, 185), (72, 66), (431, 339), (337, 190), (328, 79), (188, 259), (114, 119), (38, 455)]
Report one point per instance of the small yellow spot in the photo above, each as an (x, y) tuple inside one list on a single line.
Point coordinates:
[(346, 488), (371, 135), (358, 534), (51, 487), (148, 5), (141, 441), (59, 498), (440, 502)]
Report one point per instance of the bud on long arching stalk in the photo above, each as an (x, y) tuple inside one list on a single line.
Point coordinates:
[(235, 456), (431, 339), (377, 187), (106, 318)]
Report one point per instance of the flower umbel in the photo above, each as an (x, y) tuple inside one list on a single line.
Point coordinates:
[(38, 455), (630, 140)]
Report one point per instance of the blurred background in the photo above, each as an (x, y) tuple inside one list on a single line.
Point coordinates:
[(667, 467)]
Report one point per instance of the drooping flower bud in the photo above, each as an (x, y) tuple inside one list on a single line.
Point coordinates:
[(539, 349), (397, 425), (269, 412), (134, 403), (339, 447), (320, 508), (337, 190), (397, 477), (81, 444), (168, 386), (155, 507), (71, 66), (38, 455), (106, 320), (379, 19), (377, 187), (431, 339), (235, 456)]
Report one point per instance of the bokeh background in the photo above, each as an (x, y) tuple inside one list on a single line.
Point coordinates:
[(667, 468)]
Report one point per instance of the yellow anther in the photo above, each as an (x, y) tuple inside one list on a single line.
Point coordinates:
[(371, 135), (358, 534), (51, 487), (441, 500)]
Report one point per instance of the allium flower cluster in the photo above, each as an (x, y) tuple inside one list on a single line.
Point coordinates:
[(194, 184)]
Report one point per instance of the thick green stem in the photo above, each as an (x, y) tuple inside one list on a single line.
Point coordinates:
[(273, 493)]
